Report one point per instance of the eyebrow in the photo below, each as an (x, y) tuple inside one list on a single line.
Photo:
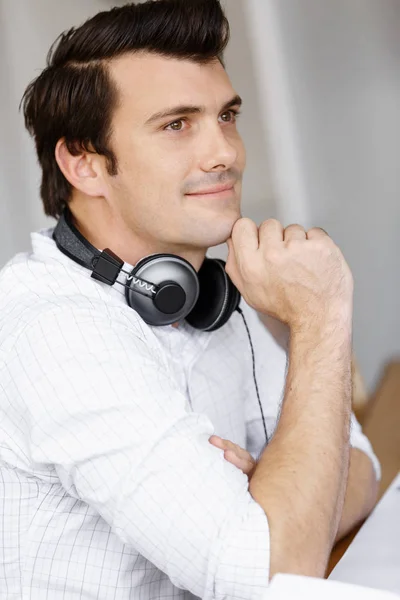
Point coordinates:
[(190, 110)]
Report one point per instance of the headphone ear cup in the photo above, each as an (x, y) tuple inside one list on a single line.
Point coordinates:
[(218, 297), (165, 271)]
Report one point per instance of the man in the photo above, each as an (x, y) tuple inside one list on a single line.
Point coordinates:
[(129, 450)]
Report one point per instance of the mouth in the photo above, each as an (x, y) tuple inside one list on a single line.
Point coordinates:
[(218, 191)]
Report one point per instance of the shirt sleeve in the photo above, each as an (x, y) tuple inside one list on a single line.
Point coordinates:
[(270, 349), (359, 440), (104, 410)]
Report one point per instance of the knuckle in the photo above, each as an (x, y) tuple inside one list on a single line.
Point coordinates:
[(318, 230), (270, 224), (244, 221), (294, 227)]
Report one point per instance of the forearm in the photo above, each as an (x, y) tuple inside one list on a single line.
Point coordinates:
[(361, 492), (301, 477)]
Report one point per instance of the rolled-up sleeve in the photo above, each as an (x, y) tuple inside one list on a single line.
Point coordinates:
[(105, 410), (359, 440)]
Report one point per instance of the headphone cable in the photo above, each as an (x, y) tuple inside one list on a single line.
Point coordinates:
[(254, 372)]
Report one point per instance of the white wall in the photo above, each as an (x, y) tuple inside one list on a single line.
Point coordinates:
[(341, 66), (27, 29)]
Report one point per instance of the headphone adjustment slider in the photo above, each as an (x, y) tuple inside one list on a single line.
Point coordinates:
[(106, 267)]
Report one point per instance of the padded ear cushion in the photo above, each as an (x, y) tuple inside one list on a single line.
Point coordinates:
[(233, 302), (218, 297)]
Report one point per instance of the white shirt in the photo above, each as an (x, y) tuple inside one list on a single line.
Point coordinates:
[(110, 488)]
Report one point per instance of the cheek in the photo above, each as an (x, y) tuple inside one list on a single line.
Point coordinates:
[(155, 166), (167, 172), (152, 185)]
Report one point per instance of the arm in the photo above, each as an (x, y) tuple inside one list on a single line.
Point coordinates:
[(361, 492), (301, 477), (105, 415), (270, 339), (364, 471)]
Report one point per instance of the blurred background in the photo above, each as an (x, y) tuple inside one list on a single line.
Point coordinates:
[(321, 122)]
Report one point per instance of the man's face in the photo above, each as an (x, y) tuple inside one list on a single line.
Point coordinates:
[(180, 156)]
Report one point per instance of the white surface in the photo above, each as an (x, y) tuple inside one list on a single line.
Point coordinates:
[(288, 587), (373, 559), (341, 63)]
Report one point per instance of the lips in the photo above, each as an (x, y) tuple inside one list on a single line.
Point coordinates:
[(214, 190)]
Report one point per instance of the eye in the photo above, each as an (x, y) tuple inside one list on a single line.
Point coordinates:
[(176, 125), (230, 116)]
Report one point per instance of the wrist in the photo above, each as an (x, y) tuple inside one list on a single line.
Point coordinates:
[(336, 321), (331, 337)]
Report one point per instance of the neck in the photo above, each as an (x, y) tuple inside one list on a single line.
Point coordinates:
[(104, 229)]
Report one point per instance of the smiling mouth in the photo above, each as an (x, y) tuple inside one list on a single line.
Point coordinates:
[(222, 190)]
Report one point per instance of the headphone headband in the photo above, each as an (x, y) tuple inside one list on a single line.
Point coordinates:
[(71, 242)]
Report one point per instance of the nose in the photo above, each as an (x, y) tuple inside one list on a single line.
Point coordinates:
[(220, 153)]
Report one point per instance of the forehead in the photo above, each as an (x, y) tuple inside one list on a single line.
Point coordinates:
[(148, 83)]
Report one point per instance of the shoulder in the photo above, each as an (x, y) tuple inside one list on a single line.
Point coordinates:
[(58, 297)]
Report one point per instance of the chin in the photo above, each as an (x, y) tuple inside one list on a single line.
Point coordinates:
[(214, 233)]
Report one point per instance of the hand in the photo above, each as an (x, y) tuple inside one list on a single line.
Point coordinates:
[(235, 455), (297, 277)]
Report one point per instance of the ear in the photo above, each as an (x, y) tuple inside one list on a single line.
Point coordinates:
[(84, 171)]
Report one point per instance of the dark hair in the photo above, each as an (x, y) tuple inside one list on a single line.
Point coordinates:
[(74, 96)]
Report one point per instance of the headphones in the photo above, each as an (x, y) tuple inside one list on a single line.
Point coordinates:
[(161, 288)]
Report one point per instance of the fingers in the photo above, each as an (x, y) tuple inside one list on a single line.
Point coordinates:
[(316, 232), (294, 232), (244, 464), (234, 454), (271, 231), (215, 440), (246, 236)]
